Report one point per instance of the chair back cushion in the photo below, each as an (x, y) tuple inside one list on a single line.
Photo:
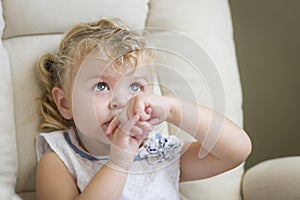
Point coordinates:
[(33, 28)]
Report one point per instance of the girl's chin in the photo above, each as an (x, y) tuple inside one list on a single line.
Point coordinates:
[(95, 135)]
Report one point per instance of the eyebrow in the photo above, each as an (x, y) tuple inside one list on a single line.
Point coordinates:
[(105, 77), (141, 77), (99, 76)]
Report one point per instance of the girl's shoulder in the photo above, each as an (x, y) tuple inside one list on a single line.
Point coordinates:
[(81, 165), (50, 142)]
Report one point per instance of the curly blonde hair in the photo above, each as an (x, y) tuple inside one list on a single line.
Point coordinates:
[(112, 36)]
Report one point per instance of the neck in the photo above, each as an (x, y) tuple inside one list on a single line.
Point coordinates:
[(92, 145)]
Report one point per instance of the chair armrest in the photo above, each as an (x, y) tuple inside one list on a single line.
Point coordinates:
[(274, 179)]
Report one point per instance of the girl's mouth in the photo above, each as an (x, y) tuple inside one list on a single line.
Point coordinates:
[(106, 124)]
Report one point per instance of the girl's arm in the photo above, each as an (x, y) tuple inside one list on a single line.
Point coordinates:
[(54, 182), (222, 145)]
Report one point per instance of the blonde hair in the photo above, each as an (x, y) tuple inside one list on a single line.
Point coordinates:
[(112, 36)]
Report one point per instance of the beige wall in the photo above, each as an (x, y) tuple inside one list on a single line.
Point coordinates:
[(267, 35)]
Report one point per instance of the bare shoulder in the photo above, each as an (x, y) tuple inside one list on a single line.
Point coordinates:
[(53, 179)]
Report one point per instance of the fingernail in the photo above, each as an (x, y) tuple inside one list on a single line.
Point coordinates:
[(135, 118)]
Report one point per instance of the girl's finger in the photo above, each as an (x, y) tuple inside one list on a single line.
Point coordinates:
[(111, 127), (145, 126), (136, 131), (140, 108), (148, 110), (124, 125), (128, 125), (154, 121)]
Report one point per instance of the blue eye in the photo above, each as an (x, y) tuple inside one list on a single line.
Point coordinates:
[(101, 86), (135, 87)]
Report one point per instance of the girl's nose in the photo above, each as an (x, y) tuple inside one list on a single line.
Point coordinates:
[(119, 103), (119, 99)]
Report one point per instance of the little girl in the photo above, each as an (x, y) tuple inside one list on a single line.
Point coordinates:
[(98, 112)]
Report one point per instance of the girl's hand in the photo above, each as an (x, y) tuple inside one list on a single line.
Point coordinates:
[(152, 108), (128, 129), (126, 135), (139, 128)]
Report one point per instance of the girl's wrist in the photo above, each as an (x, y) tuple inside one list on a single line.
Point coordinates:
[(120, 168), (120, 158)]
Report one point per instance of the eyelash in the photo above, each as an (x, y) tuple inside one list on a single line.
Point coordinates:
[(141, 87), (101, 84)]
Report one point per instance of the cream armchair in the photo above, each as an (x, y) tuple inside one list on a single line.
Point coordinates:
[(30, 28)]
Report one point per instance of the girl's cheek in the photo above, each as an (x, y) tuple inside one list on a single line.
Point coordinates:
[(84, 115), (102, 109)]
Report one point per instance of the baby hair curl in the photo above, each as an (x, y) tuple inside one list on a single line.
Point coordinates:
[(119, 42)]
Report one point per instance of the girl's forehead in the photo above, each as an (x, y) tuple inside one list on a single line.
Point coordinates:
[(96, 65)]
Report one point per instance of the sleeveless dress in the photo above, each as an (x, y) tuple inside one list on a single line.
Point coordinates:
[(153, 175)]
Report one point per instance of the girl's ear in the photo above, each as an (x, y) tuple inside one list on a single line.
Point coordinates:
[(62, 103)]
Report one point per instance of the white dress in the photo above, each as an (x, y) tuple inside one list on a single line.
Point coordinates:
[(152, 175)]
